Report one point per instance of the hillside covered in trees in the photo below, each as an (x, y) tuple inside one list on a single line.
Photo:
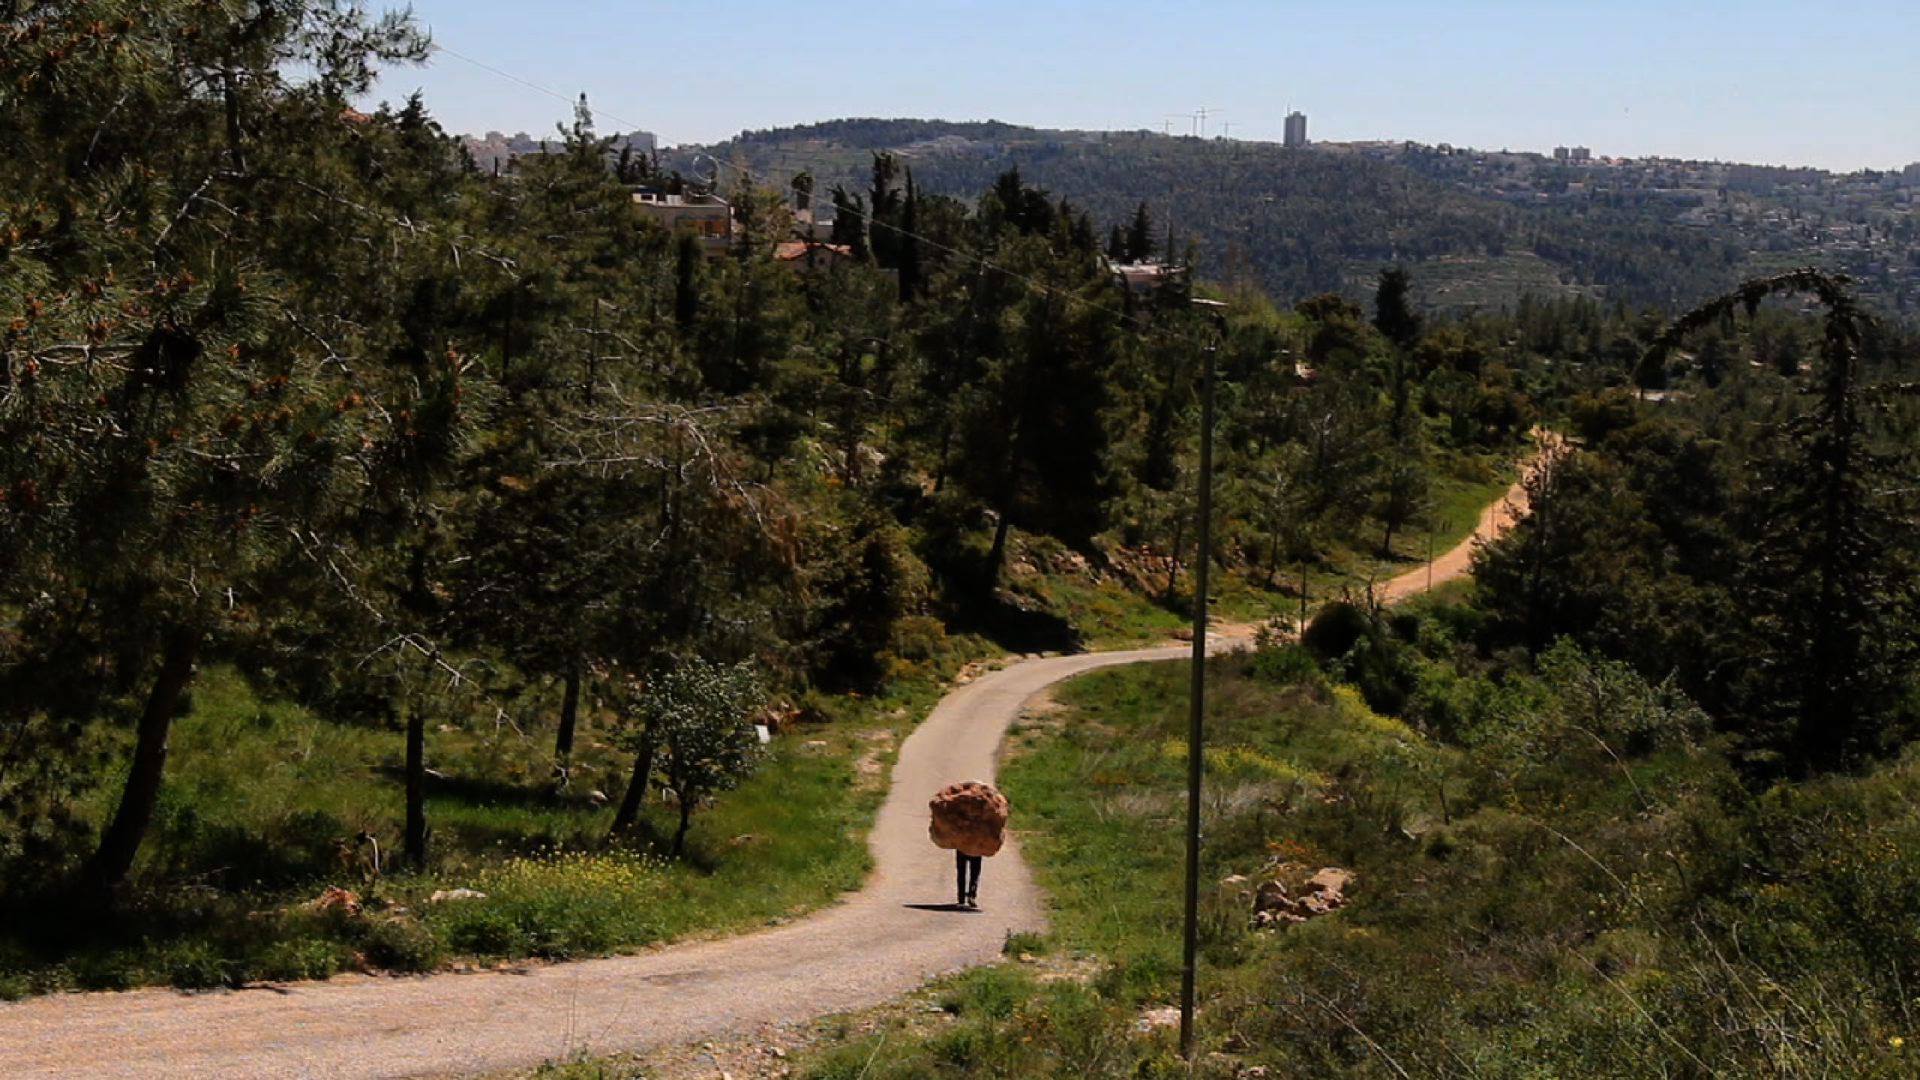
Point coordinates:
[(1482, 228)]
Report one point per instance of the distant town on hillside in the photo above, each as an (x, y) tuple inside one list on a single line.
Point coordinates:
[(1482, 227)]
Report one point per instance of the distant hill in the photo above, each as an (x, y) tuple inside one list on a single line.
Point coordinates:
[(1480, 228)]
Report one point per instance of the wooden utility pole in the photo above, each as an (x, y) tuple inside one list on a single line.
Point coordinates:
[(1197, 688)]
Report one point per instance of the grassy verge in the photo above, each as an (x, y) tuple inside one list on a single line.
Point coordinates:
[(265, 797), (1563, 877), (1099, 790)]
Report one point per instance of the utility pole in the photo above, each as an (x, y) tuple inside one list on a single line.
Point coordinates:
[(1197, 688)]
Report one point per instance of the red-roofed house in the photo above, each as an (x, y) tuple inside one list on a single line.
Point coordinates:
[(810, 255)]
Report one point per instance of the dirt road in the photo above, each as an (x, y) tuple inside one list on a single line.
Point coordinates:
[(880, 942)]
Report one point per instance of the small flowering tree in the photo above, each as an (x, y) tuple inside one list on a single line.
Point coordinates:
[(695, 729)]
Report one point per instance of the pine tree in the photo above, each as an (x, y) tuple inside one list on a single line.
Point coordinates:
[(1139, 245), (850, 223), (909, 249), (1831, 594), (186, 474), (1403, 492)]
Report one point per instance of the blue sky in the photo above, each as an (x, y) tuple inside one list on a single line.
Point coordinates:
[(1834, 84)]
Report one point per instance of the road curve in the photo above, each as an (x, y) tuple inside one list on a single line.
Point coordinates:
[(873, 945)]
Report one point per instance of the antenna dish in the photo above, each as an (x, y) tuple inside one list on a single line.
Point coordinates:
[(706, 173)]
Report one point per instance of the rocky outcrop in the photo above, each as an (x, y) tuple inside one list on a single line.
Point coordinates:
[(1294, 894)]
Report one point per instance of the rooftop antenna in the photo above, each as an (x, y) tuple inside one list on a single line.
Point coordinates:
[(706, 173)]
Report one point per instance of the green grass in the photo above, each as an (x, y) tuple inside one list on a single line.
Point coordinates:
[(264, 800), (1553, 895), (1106, 614), (1099, 806), (1109, 614)]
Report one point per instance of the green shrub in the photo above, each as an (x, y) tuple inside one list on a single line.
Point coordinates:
[(485, 930), (300, 959), (1333, 630), (1384, 668), (402, 944), (195, 965), (1283, 664), (1024, 942), (991, 992), (299, 847), (1405, 624), (590, 1070), (920, 638), (959, 1047), (104, 969), (56, 979)]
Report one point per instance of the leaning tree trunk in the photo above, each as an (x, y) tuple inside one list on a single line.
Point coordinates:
[(1008, 488), (1173, 559), (997, 554), (416, 838), (636, 795), (569, 718), (686, 819), (114, 858)]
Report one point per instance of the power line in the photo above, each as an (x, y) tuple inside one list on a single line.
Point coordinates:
[(528, 83)]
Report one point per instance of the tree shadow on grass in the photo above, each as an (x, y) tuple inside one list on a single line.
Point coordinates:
[(650, 838), (480, 791)]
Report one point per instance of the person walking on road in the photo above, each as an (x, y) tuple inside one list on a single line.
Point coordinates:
[(971, 819), (966, 872)]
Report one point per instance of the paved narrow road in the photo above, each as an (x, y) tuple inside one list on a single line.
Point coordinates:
[(874, 945)]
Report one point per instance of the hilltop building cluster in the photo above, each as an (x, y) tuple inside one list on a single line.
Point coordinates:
[(494, 151), (710, 220), (1866, 222)]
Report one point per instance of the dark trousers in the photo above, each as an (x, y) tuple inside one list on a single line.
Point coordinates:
[(966, 872)]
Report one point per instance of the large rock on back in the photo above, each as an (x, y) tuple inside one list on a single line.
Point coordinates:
[(969, 817)]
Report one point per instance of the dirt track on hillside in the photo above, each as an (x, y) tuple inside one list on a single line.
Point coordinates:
[(877, 943)]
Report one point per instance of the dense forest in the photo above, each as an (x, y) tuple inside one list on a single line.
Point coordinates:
[(373, 524)]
